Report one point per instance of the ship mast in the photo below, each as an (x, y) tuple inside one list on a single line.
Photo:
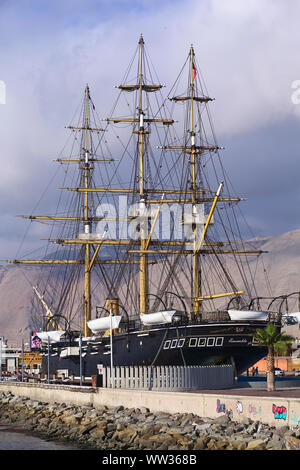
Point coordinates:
[(143, 219), (87, 271), (85, 161), (195, 272)]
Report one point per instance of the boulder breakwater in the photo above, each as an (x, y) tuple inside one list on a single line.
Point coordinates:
[(120, 428)]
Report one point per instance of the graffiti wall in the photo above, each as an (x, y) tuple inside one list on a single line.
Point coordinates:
[(262, 409)]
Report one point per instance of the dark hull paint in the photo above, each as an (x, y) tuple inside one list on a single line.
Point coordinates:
[(198, 344)]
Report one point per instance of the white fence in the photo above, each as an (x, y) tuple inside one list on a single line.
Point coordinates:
[(169, 377)]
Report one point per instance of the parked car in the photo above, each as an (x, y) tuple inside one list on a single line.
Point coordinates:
[(277, 371)]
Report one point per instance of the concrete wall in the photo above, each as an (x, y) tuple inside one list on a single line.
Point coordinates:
[(270, 410)]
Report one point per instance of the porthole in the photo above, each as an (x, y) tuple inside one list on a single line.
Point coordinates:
[(202, 342), (167, 344), (174, 343), (193, 342), (210, 342), (219, 341)]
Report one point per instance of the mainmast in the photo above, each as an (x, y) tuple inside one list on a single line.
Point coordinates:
[(195, 271)]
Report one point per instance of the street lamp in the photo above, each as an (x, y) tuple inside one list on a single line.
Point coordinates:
[(111, 352), (80, 359), (22, 369), (48, 359), (22, 360)]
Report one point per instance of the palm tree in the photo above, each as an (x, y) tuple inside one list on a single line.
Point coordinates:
[(275, 342)]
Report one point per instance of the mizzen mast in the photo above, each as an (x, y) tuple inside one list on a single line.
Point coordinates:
[(142, 204), (85, 161), (87, 227)]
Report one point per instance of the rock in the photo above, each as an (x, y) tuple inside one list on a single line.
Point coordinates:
[(111, 427), (203, 427), (252, 428), (187, 419), (188, 429), (175, 430), (274, 445), (264, 436), (230, 431), (224, 419), (217, 444), (238, 444), (119, 408), (201, 443), (69, 420), (166, 421), (157, 428), (150, 418), (281, 431), (127, 435), (238, 428), (120, 427), (256, 444), (146, 444), (162, 414), (292, 443), (87, 429), (35, 404), (144, 410)]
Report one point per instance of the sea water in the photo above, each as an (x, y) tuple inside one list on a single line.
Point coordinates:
[(16, 438)]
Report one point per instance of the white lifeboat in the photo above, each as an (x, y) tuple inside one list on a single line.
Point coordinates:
[(157, 318), (238, 315), (102, 324), (54, 336)]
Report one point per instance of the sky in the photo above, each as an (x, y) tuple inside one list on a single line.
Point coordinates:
[(248, 55)]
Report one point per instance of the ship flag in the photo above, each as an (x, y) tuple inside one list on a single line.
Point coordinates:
[(194, 70)]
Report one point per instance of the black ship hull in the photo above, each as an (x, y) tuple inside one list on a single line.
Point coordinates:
[(196, 344)]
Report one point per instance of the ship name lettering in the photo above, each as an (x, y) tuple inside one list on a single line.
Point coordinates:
[(232, 340)]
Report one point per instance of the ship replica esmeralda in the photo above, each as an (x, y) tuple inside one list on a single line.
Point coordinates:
[(147, 250)]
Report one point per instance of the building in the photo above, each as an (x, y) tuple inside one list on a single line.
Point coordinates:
[(9, 357)]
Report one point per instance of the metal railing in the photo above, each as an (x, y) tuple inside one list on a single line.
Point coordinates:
[(174, 378)]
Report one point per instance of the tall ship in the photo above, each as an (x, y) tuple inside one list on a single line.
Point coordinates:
[(146, 262)]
